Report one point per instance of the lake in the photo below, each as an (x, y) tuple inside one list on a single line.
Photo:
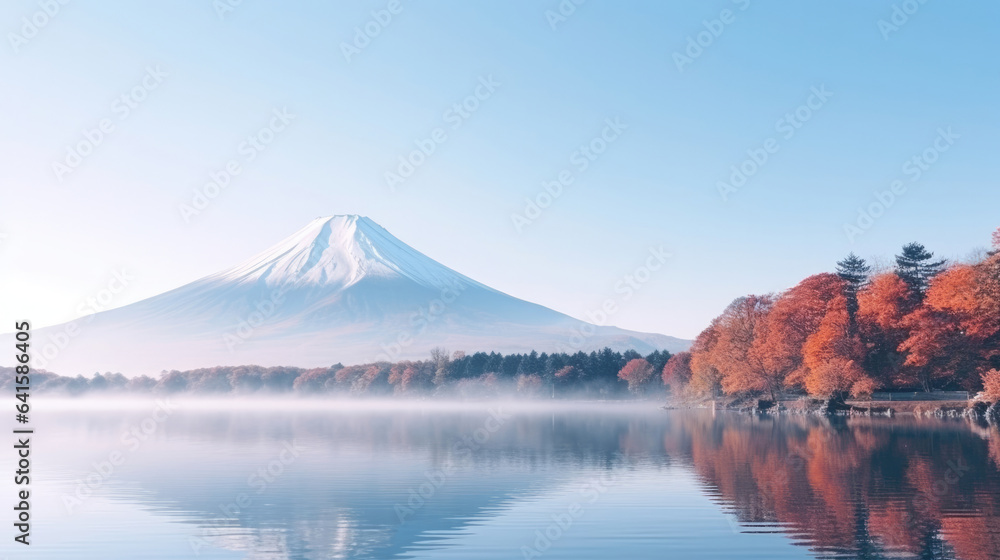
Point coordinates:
[(418, 480)]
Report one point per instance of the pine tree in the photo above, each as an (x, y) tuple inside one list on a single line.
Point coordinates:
[(916, 268), (854, 271), (524, 367), (630, 355), (494, 364)]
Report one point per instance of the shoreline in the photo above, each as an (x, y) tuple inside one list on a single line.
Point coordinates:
[(971, 410)]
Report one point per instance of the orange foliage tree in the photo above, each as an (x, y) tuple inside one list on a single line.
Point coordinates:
[(793, 317), (705, 377), (846, 333), (991, 385), (742, 369), (882, 307), (636, 372), (833, 355), (677, 371), (954, 335)]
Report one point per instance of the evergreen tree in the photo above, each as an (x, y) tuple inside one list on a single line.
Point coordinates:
[(510, 364), (524, 367), (533, 363), (494, 364), (630, 355), (658, 359), (854, 271), (553, 364), (915, 266)]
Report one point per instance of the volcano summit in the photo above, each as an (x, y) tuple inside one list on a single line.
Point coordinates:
[(341, 289)]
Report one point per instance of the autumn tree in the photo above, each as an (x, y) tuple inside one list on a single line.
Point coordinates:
[(636, 372), (529, 384), (742, 369), (705, 377), (442, 365), (882, 307), (792, 319), (677, 371), (954, 336), (564, 375), (833, 355), (991, 385), (405, 376)]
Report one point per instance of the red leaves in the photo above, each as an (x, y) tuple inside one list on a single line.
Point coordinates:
[(677, 370), (833, 354), (991, 385), (636, 372), (793, 318), (818, 337)]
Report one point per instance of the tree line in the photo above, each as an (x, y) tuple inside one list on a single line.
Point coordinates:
[(599, 374), (924, 325)]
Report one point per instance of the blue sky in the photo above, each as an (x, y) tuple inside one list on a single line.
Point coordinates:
[(348, 120)]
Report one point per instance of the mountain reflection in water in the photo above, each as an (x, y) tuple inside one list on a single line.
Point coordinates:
[(487, 480)]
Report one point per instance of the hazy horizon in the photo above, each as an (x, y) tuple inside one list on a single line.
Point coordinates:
[(674, 119)]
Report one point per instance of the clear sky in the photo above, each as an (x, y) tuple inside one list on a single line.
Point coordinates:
[(198, 83)]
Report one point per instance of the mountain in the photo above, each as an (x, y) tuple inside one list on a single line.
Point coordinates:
[(341, 289)]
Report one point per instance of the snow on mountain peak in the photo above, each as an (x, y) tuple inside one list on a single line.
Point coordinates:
[(339, 251)]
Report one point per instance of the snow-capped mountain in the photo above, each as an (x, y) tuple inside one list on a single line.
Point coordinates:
[(341, 289)]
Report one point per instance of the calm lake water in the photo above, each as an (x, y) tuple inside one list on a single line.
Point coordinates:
[(301, 480)]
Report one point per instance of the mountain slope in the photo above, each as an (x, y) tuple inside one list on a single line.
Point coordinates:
[(340, 289)]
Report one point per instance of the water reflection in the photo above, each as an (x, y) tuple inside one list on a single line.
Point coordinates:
[(856, 488), (485, 480)]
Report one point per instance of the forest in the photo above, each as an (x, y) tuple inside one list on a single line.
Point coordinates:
[(923, 324), (600, 374)]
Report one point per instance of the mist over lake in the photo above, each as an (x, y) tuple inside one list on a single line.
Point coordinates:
[(301, 479)]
